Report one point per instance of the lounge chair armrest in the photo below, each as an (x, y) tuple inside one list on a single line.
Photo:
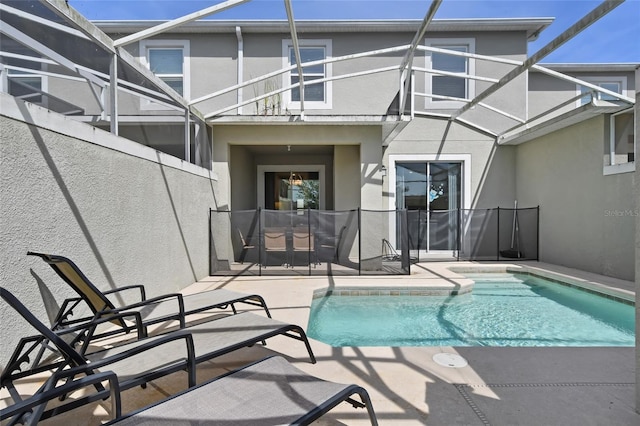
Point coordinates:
[(86, 331), (66, 310), (143, 346), (69, 300), (102, 317), (22, 354), (51, 392), (160, 298), (140, 288)]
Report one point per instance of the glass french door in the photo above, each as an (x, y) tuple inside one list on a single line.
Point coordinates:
[(432, 194)]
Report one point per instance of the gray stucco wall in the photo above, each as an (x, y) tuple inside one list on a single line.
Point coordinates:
[(492, 168), (123, 219), (547, 91), (214, 64), (235, 163), (585, 217)]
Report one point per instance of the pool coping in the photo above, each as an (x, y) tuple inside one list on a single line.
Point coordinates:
[(609, 292), (457, 284)]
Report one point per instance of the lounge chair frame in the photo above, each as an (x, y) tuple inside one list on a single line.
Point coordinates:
[(78, 363), (31, 350), (33, 409), (102, 306), (215, 338), (285, 395)]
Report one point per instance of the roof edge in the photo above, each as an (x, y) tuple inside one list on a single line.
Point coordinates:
[(592, 67), (533, 26)]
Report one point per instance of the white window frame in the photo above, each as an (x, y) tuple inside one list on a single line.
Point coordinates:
[(44, 81), (319, 168), (442, 43), (328, 71), (146, 45), (630, 166), (598, 81)]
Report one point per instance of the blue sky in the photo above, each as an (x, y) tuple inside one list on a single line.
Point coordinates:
[(614, 38)]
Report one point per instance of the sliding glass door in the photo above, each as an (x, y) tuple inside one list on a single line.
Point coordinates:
[(432, 192)]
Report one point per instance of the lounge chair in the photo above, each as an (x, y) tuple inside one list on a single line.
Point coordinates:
[(268, 392), (133, 362), (156, 310), (49, 351)]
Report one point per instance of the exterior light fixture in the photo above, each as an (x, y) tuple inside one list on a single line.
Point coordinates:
[(383, 171)]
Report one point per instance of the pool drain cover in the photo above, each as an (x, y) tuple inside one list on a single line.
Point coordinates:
[(450, 360)]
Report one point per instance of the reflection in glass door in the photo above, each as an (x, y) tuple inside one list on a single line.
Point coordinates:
[(291, 190), (431, 191)]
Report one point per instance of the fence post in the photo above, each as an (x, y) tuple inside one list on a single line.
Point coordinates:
[(458, 229), (359, 242), (498, 235), (405, 257), (260, 241), (308, 239), (420, 245), (538, 233)]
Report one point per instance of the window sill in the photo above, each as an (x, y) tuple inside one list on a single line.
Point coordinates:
[(295, 106), (619, 168)]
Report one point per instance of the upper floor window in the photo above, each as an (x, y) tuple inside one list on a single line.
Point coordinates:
[(449, 85), (621, 153), (169, 61), (613, 84), (25, 86), (318, 95)]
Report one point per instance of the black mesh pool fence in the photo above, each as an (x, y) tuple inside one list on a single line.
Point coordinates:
[(359, 242)]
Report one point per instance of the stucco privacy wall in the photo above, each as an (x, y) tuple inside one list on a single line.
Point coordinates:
[(123, 219), (585, 219)]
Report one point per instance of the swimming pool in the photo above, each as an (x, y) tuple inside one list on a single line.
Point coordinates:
[(502, 310)]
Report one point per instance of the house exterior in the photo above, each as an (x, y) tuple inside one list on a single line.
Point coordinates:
[(396, 120), (350, 137)]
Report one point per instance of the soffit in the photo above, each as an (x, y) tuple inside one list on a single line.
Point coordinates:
[(532, 26)]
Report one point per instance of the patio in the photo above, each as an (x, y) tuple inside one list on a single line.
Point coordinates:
[(70, 162), (500, 386)]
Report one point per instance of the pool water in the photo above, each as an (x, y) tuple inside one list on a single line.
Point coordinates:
[(502, 310)]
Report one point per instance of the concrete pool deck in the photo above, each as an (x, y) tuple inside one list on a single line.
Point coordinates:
[(499, 386)]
